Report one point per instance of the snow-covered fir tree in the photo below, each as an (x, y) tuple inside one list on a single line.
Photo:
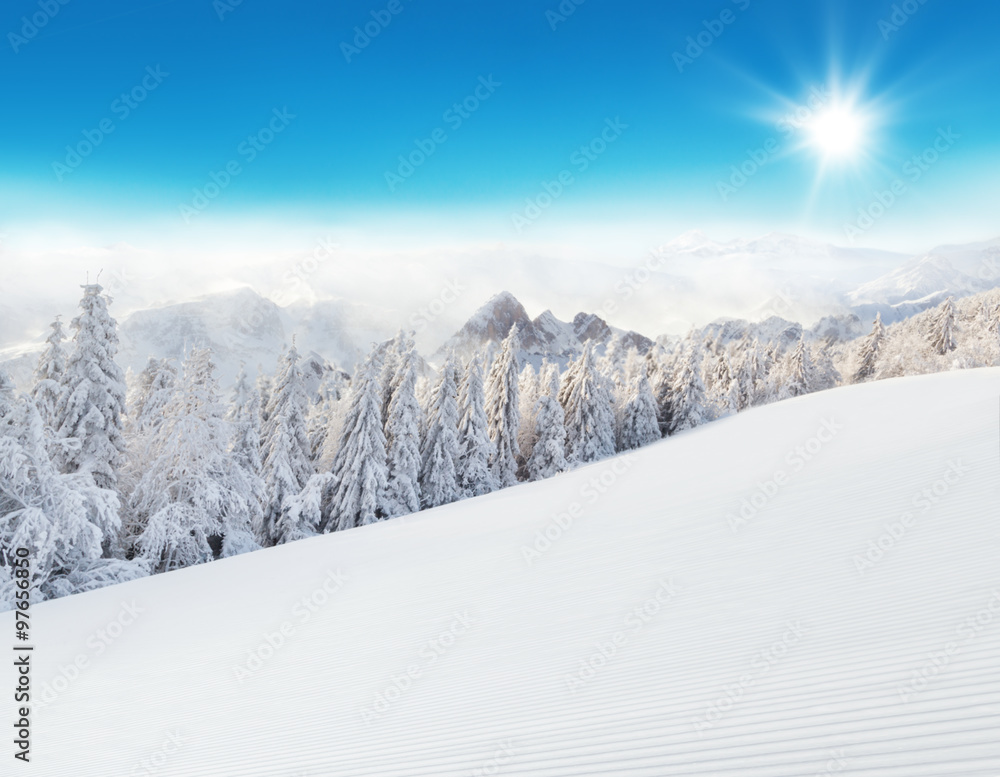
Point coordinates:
[(243, 417), (92, 401), (548, 456), (528, 392), (586, 400), (503, 410), (56, 516), (942, 328), (287, 465), (868, 354), (356, 494), (639, 424), (151, 391), (799, 376), (265, 385), (194, 501), (687, 399), (49, 373), (474, 475), (402, 434), (439, 468)]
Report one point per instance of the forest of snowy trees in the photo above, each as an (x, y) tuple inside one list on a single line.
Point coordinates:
[(106, 478)]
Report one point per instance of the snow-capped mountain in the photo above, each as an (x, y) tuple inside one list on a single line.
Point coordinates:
[(543, 336)]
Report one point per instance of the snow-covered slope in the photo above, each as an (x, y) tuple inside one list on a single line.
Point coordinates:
[(620, 619)]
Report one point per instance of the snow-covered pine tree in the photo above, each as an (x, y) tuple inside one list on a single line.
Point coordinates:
[(322, 413), (356, 495), (503, 410), (92, 402), (243, 417), (194, 501), (548, 456), (687, 397), (265, 385), (868, 354), (827, 376), (942, 328), (528, 393), (152, 390), (441, 453), (48, 375), (800, 375), (56, 516), (402, 434), (589, 413), (639, 424), (287, 465), (474, 475), (390, 359)]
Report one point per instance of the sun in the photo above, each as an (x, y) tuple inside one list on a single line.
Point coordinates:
[(837, 132)]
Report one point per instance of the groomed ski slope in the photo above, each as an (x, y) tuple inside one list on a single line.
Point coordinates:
[(649, 638)]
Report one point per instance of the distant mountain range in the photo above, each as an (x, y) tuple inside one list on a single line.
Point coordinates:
[(796, 280)]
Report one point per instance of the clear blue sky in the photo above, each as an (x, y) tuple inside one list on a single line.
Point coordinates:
[(221, 81)]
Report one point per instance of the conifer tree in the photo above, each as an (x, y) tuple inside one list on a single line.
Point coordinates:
[(243, 417), (801, 373), (586, 401), (56, 516), (356, 494), (639, 424), (474, 475), (439, 470), (688, 400), (871, 347), (528, 394), (48, 374), (548, 457), (287, 466), (194, 502), (92, 400), (503, 411), (942, 328), (402, 433)]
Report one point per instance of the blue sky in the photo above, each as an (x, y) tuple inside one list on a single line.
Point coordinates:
[(311, 136)]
